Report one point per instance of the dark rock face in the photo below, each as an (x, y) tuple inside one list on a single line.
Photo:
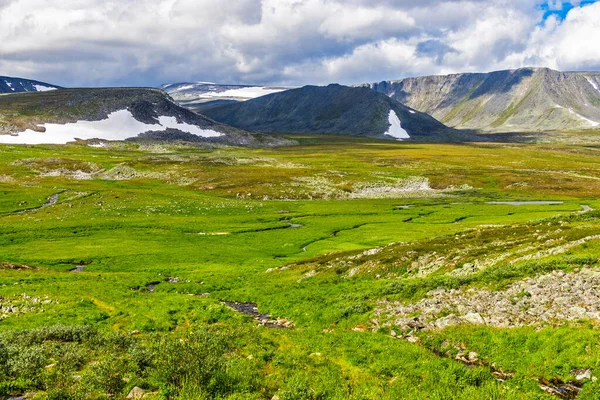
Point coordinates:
[(526, 99), (333, 109), (19, 85)]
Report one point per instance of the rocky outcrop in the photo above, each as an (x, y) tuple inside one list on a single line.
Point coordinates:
[(550, 299)]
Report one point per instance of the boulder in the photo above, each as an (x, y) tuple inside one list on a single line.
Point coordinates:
[(136, 393), (474, 318)]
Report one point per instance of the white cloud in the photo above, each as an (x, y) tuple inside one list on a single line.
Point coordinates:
[(148, 42)]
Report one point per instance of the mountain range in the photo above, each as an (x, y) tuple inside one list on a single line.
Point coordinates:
[(19, 85), (199, 96), (62, 116), (449, 108), (334, 109), (526, 99)]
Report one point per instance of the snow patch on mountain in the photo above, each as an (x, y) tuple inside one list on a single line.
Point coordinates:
[(592, 123), (119, 125), (247, 93), (41, 88), (594, 85), (396, 129)]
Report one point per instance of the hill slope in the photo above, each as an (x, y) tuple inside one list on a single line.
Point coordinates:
[(527, 99), (113, 114), (199, 96), (19, 85), (333, 109)]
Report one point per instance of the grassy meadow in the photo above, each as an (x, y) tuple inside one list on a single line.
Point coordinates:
[(116, 263)]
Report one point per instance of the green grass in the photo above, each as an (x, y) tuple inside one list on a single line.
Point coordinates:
[(219, 220)]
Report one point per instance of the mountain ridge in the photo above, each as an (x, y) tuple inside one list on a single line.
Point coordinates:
[(199, 96), (64, 115), (334, 109), (524, 99), (10, 84)]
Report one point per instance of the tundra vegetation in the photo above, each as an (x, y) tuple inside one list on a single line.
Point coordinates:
[(363, 269)]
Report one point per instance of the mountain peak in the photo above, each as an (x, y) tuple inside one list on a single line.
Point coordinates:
[(523, 99), (19, 85), (333, 109)]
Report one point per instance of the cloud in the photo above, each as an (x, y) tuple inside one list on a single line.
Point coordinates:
[(149, 42)]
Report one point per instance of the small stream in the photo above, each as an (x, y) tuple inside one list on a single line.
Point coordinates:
[(265, 320), (526, 203), (52, 200), (556, 387)]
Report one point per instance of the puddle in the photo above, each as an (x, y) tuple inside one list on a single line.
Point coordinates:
[(77, 269), (151, 286), (526, 203)]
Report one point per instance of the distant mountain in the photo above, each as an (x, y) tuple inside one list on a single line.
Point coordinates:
[(19, 85), (62, 116), (334, 109), (526, 99), (199, 96)]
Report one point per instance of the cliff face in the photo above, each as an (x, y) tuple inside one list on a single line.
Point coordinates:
[(527, 99)]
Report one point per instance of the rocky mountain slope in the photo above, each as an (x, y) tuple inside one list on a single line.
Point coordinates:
[(199, 96), (62, 116), (527, 99), (19, 85), (334, 109)]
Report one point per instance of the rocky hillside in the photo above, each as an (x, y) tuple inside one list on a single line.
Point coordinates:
[(62, 116), (527, 99), (19, 85), (199, 96), (334, 109)]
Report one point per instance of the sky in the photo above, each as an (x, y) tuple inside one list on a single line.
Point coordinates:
[(289, 42)]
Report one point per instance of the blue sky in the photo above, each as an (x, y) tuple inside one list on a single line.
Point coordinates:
[(561, 9), (289, 42)]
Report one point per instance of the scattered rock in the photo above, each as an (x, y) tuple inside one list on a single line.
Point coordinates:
[(413, 339), (15, 266), (445, 322), (264, 319), (474, 318), (582, 374), (554, 298), (136, 393)]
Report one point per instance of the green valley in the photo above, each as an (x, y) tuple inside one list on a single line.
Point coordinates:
[(121, 267)]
